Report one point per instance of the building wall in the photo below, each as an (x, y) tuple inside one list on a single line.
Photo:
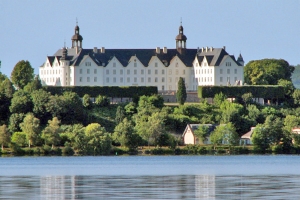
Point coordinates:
[(189, 137)]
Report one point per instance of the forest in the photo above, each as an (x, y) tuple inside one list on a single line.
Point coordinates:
[(35, 122)]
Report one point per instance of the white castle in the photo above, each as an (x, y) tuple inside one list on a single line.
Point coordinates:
[(160, 67)]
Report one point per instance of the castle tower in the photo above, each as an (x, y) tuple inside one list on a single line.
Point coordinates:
[(181, 40), (65, 68), (77, 39), (241, 60)]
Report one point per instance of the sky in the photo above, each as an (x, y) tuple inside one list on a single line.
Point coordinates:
[(32, 29)]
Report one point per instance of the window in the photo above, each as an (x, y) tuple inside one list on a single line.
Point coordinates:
[(121, 80), (95, 79), (235, 79), (183, 72), (170, 79), (87, 63), (170, 72), (135, 79), (149, 71), (134, 71), (176, 72), (221, 71), (228, 71), (107, 71), (95, 71), (156, 64), (128, 71), (235, 71), (107, 79), (156, 71), (228, 63), (142, 71), (163, 79), (156, 79), (114, 79), (114, 64), (149, 80), (114, 71), (163, 88), (176, 64), (142, 80), (80, 79), (128, 79), (121, 71), (163, 71), (88, 79), (134, 64)]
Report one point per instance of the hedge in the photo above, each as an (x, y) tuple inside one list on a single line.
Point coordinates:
[(257, 91), (109, 91)]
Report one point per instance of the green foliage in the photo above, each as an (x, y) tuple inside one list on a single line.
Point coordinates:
[(4, 136), (14, 122), (120, 114), (22, 74), (86, 101), (31, 127), (51, 133), (21, 102), (40, 100), (224, 134), (181, 92), (125, 135), (219, 99), (102, 101), (296, 96), (99, 142), (155, 100), (201, 133), (257, 91), (110, 91), (19, 138), (33, 85), (267, 71), (72, 110)]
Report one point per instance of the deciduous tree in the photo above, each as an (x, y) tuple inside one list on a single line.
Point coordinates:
[(51, 133), (4, 136), (31, 127), (22, 74)]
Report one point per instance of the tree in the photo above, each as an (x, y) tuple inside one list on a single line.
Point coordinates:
[(4, 136), (21, 102), (19, 138), (120, 115), (72, 108), (33, 85), (99, 142), (125, 135), (219, 99), (22, 74), (86, 101), (40, 99), (181, 91), (267, 71), (296, 96), (31, 127), (102, 101), (14, 122), (201, 133), (224, 134), (260, 139), (51, 133)]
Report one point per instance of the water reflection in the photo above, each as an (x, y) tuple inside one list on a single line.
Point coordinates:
[(150, 187)]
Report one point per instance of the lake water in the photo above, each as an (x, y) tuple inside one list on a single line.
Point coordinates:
[(150, 177)]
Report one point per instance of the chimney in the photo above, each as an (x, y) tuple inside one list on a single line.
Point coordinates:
[(165, 50), (211, 49), (157, 50), (224, 47), (102, 50), (206, 48), (202, 49), (95, 50)]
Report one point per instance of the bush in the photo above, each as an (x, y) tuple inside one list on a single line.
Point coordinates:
[(67, 150), (16, 149)]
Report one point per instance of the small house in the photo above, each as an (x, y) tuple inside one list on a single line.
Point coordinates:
[(246, 138), (189, 136)]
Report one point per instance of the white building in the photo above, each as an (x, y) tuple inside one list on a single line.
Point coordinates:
[(159, 67)]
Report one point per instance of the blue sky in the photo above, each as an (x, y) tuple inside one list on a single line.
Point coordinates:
[(32, 29)]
